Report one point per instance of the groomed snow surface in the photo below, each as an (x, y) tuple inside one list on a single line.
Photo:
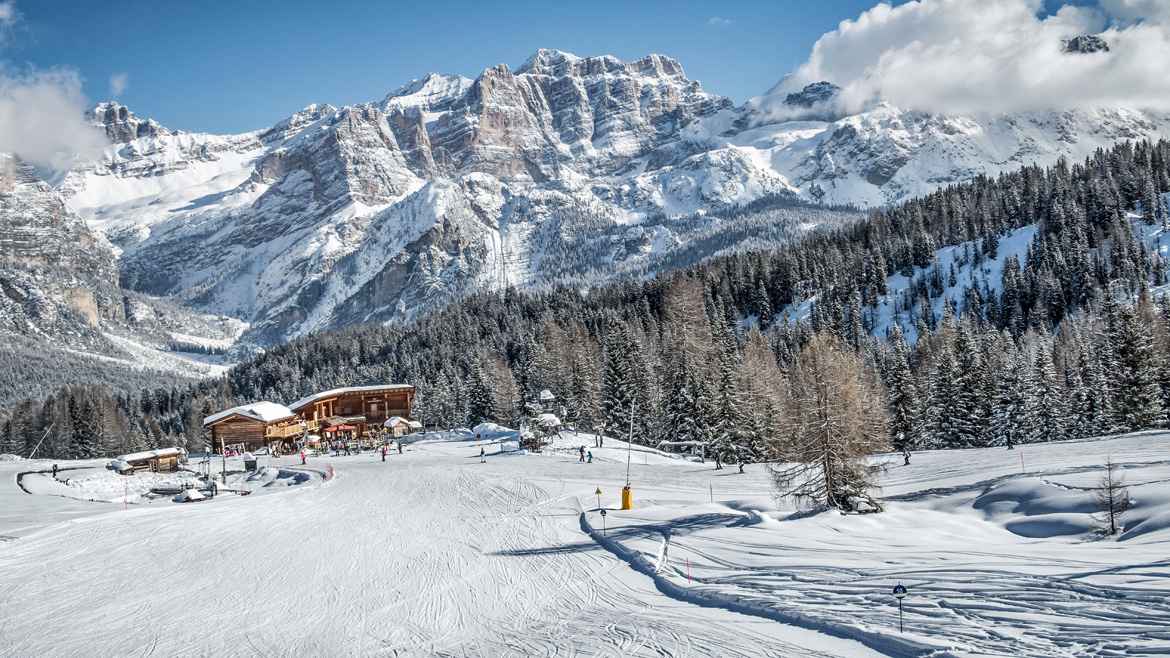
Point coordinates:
[(433, 553)]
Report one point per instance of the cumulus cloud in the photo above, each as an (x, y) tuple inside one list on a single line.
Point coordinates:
[(995, 56), (42, 112), (42, 118), (118, 83), (716, 21)]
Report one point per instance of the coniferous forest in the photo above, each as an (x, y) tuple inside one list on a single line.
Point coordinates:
[(1072, 340)]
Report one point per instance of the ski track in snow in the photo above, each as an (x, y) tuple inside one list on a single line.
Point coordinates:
[(430, 553)]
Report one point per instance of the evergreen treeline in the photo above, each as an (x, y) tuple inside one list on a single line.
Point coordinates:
[(1069, 343)]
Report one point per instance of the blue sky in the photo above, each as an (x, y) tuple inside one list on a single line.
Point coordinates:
[(236, 66)]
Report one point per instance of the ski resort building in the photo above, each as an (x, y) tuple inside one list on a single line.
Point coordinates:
[(358, 406), (254, 426)]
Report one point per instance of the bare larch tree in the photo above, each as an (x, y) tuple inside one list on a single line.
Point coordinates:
[(835, 421)]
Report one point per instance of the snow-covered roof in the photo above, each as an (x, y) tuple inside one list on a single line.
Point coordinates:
[(309, 399), (149, 454), (683, 443), (415, 425), (547, 395), (395, 420), (548, 420), (266, 412)]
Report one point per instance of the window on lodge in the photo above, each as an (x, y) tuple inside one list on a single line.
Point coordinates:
[(347, 410)]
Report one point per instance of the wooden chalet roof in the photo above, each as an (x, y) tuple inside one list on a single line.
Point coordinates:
[(264, 412)]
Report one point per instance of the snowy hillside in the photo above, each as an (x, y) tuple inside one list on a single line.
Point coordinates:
[(528, 177), (995, 547)]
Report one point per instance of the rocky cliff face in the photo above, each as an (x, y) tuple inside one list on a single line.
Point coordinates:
[(527, 176), (51, 266)]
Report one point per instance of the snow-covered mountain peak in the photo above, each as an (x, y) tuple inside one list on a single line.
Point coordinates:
[(432, 92), (558, 64), (813, 94), (1085, 44), (548, 61), (120, 125)]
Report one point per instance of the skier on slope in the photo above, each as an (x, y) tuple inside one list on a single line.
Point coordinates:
[(482, 455), (718, 464), (906, 456), (590, 457), (302, 456), (582, 451), (741, 464), (1009, 442), (383, 453)]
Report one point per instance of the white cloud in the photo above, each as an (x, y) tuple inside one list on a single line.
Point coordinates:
[(716, 21), (9, 18), (118, 84), (995, 56), (42, 112)]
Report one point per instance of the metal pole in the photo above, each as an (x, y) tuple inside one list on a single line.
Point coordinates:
[(899, 615), (43, 437), (630, 443)]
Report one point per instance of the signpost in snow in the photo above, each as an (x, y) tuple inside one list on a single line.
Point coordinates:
[(598, 492), (602, 523), (899, 593)]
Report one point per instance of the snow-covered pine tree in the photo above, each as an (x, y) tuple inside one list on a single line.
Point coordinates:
[(1008, 411), (1132, 370), (905, 416), (481, 396), (1047, 411)]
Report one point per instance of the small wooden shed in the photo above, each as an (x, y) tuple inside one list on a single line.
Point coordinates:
[(165, 460), (397, 426)]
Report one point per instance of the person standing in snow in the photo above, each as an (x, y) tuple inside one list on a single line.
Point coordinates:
[(383, 453), (302, 456), (590, 457), (741, 464), (482, 455), (718, 464), (906, 456), (1009, 442), (399, 442), (582, 451), (54, 471)]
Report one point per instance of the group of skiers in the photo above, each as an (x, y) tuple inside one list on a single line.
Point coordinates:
[(585, 455), (719, 462)]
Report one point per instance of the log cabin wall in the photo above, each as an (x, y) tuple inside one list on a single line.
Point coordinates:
[(238, 430)]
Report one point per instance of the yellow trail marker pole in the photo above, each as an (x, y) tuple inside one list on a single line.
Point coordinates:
[(598, 497)]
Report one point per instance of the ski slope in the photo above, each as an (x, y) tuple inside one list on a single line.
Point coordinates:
[(433, 553)]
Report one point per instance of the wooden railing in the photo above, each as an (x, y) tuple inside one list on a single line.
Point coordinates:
[(284, 432)]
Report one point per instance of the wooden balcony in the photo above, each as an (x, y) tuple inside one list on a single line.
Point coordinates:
[(283, 431)]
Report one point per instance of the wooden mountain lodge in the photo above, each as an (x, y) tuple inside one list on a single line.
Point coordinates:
[(359, 409), (254, 426)]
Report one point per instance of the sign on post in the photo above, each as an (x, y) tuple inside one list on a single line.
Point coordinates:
[(602, 523), (899, 593), (598, 492)]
